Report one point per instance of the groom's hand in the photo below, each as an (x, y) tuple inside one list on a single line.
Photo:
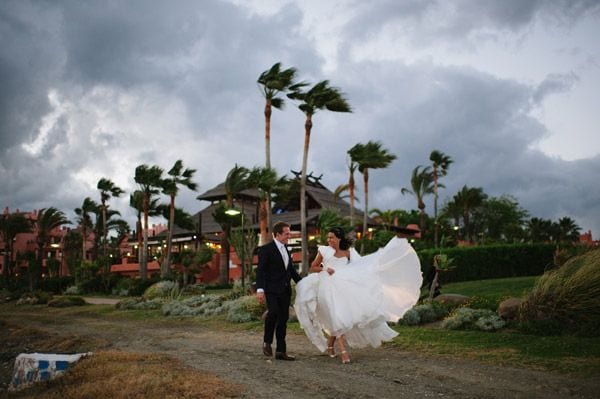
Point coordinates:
[(260, 296)]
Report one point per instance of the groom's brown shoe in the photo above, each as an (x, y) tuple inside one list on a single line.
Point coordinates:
[(283, 356), (267, 350)]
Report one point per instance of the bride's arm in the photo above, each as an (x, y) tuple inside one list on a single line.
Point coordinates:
[(315, 266)]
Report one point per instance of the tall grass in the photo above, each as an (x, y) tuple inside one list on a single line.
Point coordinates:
[(567, 299)]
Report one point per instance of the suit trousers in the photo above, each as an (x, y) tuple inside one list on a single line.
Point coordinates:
[(278, 306)]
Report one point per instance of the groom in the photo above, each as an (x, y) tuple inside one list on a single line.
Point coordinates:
[(273, 275)]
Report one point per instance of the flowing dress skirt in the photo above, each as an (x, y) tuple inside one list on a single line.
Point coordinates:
[(360, 297)]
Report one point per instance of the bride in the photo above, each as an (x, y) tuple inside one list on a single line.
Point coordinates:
[(350, 297)]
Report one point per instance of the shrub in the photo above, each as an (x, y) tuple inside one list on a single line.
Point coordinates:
[(566, 299), (244, 309), (162, 289), (425, 313), (491, 261), (139, 303), (66, 301), (473, 319), (73, 290), (195, 289), (55, 284), (34, 298), (482, 302)]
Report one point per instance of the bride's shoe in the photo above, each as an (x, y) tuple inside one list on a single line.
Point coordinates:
[(345, 357), (331, 351)]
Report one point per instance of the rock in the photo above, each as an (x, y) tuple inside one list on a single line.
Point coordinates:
[(509, 308), (453, 299)]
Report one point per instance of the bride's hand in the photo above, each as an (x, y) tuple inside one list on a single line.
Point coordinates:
[(330, 271)]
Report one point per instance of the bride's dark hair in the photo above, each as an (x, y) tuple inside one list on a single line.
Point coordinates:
[(345, 242)]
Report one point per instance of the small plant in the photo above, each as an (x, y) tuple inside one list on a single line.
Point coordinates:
[(162, 289), (73, 290), (424, 313), (473, 319), (66, 301)]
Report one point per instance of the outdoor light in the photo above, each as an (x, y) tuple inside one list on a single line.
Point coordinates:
[(185, 246), (232, 212), (455, 228), (370, 229)]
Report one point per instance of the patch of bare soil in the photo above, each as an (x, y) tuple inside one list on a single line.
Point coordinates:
[(236, 356)]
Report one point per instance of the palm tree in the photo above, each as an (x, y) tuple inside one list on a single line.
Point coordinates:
[(387, 218), (107, 189), (421, 183), (338, 193), (177, 176), (136, 201), (369, 156), (568, 230), (48, 219), (440, 162), (10, 226), (235, 182), (468, 199), (274, 82), (265, 180), (84, 219), (149, 180), (351, 189), (320, 96)]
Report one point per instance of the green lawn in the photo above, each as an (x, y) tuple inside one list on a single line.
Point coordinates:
[(496, 289)]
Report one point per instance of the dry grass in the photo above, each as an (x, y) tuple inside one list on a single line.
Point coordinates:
[(117, 375), (568, 296)]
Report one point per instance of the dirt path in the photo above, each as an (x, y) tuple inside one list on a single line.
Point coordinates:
[(374, 373)]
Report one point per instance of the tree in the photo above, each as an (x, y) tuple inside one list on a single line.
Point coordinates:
[(84, 219), (149, 180), (421, 183), (440, 163), (107, 189), (320, 96), (274, 82), (468, 199), (136, 201), (351, 189), (48, 219), (369, 156), (568, 231), (387, 218), (265, 180), (235, 182), (11, 225), (501, 219), (177, 177)]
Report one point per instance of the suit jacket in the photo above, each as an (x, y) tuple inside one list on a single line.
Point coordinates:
[(272, 275)]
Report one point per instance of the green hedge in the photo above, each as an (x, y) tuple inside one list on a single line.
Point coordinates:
[(488, 262)]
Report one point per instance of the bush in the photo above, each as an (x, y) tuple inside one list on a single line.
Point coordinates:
[(34, 298), (244, 309), (566, 299), (491, 261), (55, 284), (140, 304), (66, 301), (162, 289), (473, 319), (424, 313), (195, 289), (482, 302), (73, 290)]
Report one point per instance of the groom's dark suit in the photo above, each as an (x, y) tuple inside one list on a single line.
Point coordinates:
[(275, 279)]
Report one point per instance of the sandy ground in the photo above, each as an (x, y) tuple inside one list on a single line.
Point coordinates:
[(236, 356)]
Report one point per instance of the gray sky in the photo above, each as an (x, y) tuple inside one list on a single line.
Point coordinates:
[(509, 89)]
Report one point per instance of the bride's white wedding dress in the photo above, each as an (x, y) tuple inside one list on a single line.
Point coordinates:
[(360, 296)]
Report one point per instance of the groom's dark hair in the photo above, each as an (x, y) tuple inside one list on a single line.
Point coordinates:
[(278, 227)]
